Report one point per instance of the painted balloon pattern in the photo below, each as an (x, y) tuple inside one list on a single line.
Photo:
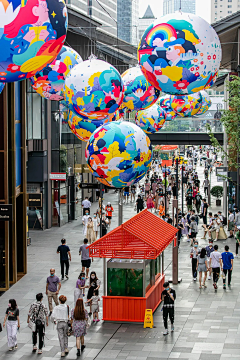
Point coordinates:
[(164, 103), (49, 82), (150, 120), (119, 154), (186, 106), (32, 33), (180, 54), (206, 103)]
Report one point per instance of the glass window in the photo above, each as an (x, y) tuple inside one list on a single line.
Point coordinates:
[(29, 116), (229, 6), (37, 116), (229, 12)]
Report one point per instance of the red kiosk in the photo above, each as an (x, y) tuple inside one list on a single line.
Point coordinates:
[(135, 275)]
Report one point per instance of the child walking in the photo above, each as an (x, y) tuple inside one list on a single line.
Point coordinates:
[(95, 306)]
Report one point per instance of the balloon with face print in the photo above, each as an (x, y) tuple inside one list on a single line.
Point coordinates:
[(32, 33)]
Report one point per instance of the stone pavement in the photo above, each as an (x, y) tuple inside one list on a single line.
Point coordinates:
[(206, 322)]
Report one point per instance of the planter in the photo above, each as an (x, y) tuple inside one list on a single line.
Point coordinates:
[(218, 202)]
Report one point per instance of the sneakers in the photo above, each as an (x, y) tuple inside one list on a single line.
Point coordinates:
[(66, 276), (224, 287), (236, 256), (11, 349), (165, 332), (99, 320), (15, 347), (209, 277), (63, 354), (215, 286), (66, 351), (34, 348), (195, 279), (229, 285), (40, 351), (172, 329)]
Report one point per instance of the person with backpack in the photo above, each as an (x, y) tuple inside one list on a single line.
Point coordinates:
[(60, 316), (194, 229), (13, 324), (37, 316)]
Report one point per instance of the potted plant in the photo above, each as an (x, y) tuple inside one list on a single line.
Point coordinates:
[(217, 192)]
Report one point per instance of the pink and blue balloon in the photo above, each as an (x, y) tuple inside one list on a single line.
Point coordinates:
[(119, 154), (150, 120), (186, 106), (164, 103), (180, 54), (93, 89), (139, 94), (206, 103), (32, 33), (49, 82)]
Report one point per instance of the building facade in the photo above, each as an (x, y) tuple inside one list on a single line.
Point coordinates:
[(187, 6), (223, 8), (143, 23), (127, 20)]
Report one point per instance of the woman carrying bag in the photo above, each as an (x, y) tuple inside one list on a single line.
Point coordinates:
[(79, 319), (13, 324)]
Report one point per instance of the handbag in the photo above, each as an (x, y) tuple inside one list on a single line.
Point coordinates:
[(33, 324), (70, 330), (38, 321), (88, 322), (0, 327)]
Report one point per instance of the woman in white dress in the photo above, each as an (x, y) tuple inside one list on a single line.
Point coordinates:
[(95, 224)]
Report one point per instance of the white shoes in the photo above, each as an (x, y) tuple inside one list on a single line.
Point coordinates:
[(209, 278), (165, 332), (195, 279), (236, 256)]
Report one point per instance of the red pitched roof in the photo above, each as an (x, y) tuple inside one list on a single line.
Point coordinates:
[(144, 236)]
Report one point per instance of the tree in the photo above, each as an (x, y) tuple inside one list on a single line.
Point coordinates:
[(231, 121)]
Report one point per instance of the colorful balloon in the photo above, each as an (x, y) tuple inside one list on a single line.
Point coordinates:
[(186, 106), (32, 34), (1, 87), (180, 54), (164, 103), (49, 82), (119, 154), (93, 89), (150, 120), (206, 103), (139, 94)]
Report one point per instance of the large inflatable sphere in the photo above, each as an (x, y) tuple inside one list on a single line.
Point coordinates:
[(139, 94), (49, 81), (119, 154), (186, 106), (1, 87), (150, 120), (32, 33), (93, 89), (164, 103), (206, 103), (180, 54)]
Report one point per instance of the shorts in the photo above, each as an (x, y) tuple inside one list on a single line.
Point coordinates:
[(95, 308), (86, 263), (126, 193), (109, 217), (193, 235)]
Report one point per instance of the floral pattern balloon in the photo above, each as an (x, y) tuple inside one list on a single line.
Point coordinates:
[(32, 33), (150, 120), (119, 154), (139, 94), (93, 89), (180, 54), (49, 82), (206, 103), (1, 87), (186, 106), (164, 103)]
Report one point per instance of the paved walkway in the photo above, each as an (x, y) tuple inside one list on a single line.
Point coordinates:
[(206, 322)]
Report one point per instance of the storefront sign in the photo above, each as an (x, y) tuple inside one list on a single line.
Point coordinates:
[(58, 176), (35, 200), (5, 212), (81, 168)]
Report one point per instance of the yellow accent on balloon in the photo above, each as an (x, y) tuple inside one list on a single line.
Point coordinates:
[(53, 14), (35, 63), (91, 79), (99, 102), (85, 91), (129, 105), (174, 73), (190, 37), (80, 101), (37, 30), (68, 62), (92, 97)]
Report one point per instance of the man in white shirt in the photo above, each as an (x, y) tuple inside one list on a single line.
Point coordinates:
[(215, 263), (60, 316), (86, 206)]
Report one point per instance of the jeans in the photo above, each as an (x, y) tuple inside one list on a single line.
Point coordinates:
[(194, 268), (229, 272), (216, 272), (12, 327), (166, 312), (62, 329), (52, 295), (66, 262), (40, 331)]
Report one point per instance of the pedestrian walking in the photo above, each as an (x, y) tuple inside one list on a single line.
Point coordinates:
[(193, 230), (209, 249), (227, 266), (53, 287), (85, 258), (161, 209), (237, 241), (37, 317), (109, 210), (195, 251), (133, 193), (13, 324), (231, 224), (150, 203), (204, 211), (79, 317), (65, 257), (91, 236), (85, 222), (126, 194), (94, 301), (202, 267), (198, 199), (94, 285), (60, 316), (95, 224), (139, 204), (168, 297), (79, 291), (215, 263), (86, 205)]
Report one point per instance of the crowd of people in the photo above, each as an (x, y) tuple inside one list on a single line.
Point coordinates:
[(155, 192)]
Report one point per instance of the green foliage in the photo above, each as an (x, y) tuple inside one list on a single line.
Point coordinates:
[(63, 158), (231, 121), (217, 191)]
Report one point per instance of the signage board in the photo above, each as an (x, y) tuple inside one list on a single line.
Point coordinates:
[(35, 200), (88, 186), (5, 212), (58, 176), (220, 178), (81, 168)]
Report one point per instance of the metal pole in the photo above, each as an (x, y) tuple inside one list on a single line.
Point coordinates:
[(225, 143), (104, 260), (101, 197), (120, 208), (182, 188), (165, 195), (162, 262), (177, 176)]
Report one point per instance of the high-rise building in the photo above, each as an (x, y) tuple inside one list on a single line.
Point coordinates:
[(222, 8), (170, 6), (143, 23), (127, 20)]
